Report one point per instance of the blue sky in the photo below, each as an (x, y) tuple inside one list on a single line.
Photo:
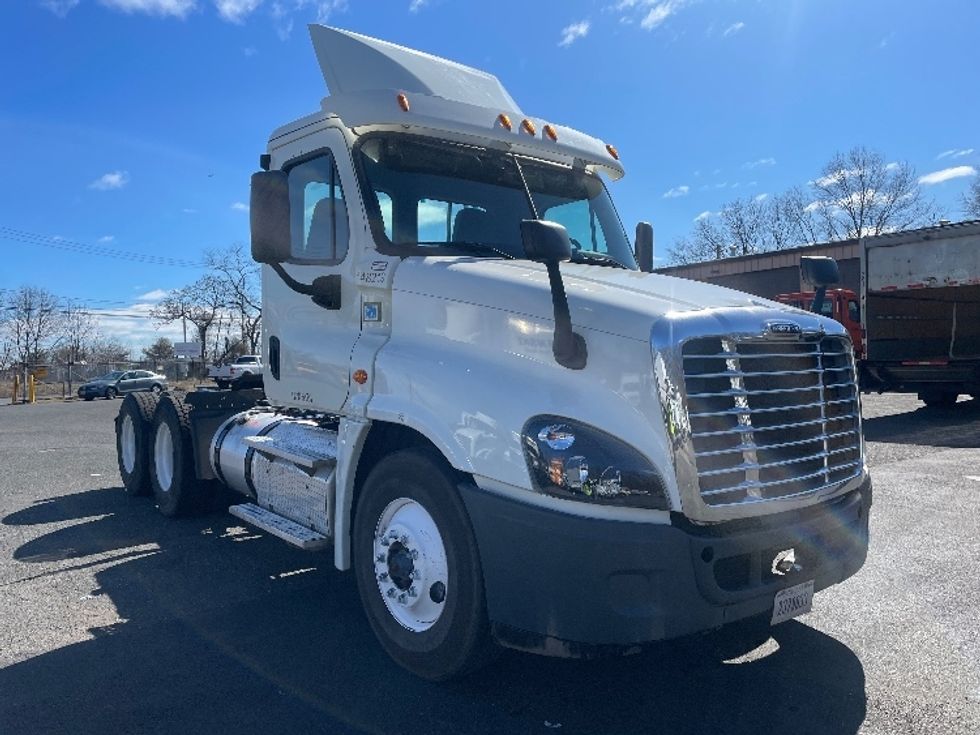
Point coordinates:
[(134, 125)]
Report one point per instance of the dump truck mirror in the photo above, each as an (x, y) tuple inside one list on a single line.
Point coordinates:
[(269, 216), (819, 270), (643, 249)]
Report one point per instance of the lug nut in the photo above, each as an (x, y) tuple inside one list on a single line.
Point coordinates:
[(401, 598), (391, 592), (412, 592), (415, 574), (404, 540), (380, 558), (385, 541), (383, 576), (415, 554)]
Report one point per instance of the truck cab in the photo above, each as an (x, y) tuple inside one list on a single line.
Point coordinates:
[(505, 429)]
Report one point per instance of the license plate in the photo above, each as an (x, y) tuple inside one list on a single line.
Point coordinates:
[(792, 601)]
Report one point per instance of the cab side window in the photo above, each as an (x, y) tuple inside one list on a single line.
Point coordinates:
[(854, 311), (318, 212)]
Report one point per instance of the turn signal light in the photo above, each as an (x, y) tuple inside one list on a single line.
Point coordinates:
[(528, 127), (504, 121), (549, 130), (612, 151), (403, 103)]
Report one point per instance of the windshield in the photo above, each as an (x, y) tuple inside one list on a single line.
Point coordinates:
[(429, 196), (114, 375)]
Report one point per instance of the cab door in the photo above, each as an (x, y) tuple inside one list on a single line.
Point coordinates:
[(308, 345)]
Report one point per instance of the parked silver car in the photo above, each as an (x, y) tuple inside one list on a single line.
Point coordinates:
[(122, 381)]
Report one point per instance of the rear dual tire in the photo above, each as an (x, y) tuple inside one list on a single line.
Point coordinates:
[(176, 488), (133, 436)]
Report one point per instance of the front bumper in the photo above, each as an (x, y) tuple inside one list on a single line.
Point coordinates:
[(559, 583)]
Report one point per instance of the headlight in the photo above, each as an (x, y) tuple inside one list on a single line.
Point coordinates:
[(571, 460)]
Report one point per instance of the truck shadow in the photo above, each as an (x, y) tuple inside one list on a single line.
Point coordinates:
[(955, 427), (228, 630)]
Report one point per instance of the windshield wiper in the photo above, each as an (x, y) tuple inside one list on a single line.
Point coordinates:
[(471, 245), (596, 258)]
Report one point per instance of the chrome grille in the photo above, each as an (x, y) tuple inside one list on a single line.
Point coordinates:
[(771, 419)]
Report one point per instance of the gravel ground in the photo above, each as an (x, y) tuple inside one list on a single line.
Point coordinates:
[(115, 620)]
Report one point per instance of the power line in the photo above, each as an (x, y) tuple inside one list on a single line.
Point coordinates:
[(81, 248)]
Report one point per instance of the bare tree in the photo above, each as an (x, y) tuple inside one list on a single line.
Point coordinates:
[(201, 303), (797, 221), (32, 322), (858, 194), (971, 200), (240, 276), (103, 349), (78, 327)]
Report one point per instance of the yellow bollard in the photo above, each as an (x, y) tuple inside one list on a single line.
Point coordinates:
[(30, 388)]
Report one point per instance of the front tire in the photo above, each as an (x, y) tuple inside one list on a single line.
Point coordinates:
[(110, 393), (134, 432), (418, 567), (176, 488)]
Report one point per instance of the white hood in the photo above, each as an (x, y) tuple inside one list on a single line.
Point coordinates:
[(609, 300)]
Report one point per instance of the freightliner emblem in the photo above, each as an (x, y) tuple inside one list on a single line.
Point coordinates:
[(786, 329)]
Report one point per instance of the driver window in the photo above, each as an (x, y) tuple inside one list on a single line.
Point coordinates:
[(584, 228), (318, 212)]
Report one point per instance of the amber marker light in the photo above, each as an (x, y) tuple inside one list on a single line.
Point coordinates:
[(528, 127), (403, 103), (360, 377), (550, 131), (612, 151), (504, 121)]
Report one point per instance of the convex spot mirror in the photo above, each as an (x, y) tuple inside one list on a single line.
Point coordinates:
[(819, 270), (269, 217), (544, 241)]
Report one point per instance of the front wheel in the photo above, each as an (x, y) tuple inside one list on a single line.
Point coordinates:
[(110, 393), (418, 568)]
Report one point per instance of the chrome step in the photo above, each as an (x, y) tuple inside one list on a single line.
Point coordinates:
[(299, 445), (279, 526)]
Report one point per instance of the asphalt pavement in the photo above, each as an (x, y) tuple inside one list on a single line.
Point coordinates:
[(114, 619)]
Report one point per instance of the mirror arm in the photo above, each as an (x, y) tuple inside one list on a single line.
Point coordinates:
[(568, 346), (325, 290)]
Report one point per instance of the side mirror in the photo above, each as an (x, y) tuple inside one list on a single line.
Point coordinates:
[(545, 242), (644, 246), (548, 243), (269, 217), (819, 270)]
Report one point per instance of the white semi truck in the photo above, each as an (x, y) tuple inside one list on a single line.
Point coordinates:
[(508, 430)]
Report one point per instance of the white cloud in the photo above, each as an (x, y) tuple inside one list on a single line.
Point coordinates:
[(111, 180), (175, 8), (760, 162), (153, 296), (704, 215), (315, 10), (844, 173), (250, 51), (61, 8), (891, 166), (955, 172), (955, 153), (733, 29), (240, 207), (188, 210), (573, 32), (761, 197), (416, 5), (812, 207), (660, 13), (236, 11), (107, 238), (677, 191)]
